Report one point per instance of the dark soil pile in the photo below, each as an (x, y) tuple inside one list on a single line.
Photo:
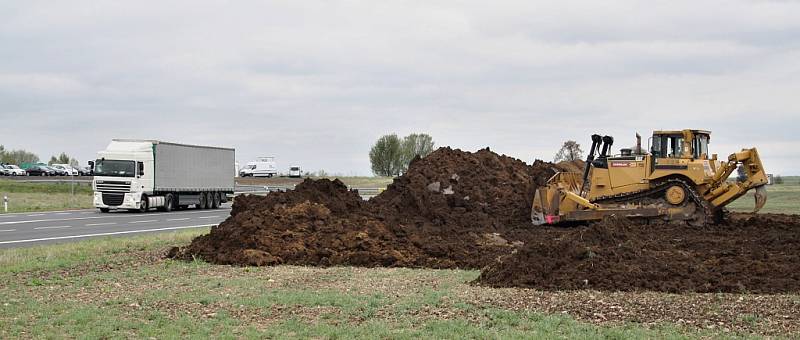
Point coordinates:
[(758, 254), (456, 209), (449, 210)]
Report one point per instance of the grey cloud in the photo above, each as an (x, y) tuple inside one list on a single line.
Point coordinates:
[(315, 83)]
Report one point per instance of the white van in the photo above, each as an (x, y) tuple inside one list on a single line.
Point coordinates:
[(261, 167), (294, 171)]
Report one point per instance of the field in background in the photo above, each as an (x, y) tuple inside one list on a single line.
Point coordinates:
[(123, 287), (24, 197), (781, 198), (32, 196), (353, 182)]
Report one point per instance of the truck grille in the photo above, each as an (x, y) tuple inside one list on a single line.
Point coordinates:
[(113, 186), (113, 199)]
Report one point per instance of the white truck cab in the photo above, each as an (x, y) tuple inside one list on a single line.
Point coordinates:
[(122, 172), (261, 167)]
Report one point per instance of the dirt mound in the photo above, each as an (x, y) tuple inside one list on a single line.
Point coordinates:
[(478, 191), (756, 254), (332, 194), (449, 210), (571, 166), (456, 209)]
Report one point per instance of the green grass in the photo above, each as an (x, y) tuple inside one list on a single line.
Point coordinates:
[(122, 287), (24, 197), (781, 198)]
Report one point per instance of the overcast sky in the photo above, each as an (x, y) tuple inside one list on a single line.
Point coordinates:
[(316, 82)]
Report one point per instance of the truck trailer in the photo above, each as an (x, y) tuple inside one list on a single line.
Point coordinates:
[(140, 175)]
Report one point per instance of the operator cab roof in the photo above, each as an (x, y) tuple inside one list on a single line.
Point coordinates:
[(678, 132)]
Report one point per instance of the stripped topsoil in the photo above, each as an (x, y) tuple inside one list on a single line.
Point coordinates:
[(456, 209)]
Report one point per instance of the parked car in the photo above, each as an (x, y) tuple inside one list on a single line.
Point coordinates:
[(40, 170), (66, 168), (57, 171), (85, 171), (12, 170)]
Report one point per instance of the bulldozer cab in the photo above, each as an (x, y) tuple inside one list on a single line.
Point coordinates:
[(691, 144)]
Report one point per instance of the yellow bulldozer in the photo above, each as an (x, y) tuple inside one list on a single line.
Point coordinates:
[(675, 181)]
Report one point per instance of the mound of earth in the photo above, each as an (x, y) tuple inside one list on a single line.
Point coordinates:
[(457, 209), (448, 211), (755, 254)]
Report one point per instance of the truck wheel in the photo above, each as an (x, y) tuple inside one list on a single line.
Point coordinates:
[(203, 201), (104, 210), (167, 203), (215, 200), (143, 204)]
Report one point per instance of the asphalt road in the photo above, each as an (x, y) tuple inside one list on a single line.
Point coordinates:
[(27, 229)]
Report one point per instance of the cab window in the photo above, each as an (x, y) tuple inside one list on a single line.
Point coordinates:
[(700, 146), (667, 146)]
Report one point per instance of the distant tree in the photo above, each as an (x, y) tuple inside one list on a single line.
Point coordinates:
[(63, 158), (386, 156), (322, 173), (741, 175), (415, 144), (777, 179), (570, 151)]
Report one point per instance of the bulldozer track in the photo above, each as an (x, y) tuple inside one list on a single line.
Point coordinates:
[(657, 193)]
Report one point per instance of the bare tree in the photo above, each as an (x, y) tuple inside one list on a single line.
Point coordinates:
[(570, 151)]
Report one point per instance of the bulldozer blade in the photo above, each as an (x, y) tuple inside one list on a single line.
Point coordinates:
[(761, 197)]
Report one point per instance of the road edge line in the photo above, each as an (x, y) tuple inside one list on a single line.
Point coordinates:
[(103, 234)]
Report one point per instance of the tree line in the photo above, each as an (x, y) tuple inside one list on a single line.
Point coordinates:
[(22, 156)]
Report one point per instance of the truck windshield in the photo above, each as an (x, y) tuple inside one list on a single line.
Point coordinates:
[(114, 168)]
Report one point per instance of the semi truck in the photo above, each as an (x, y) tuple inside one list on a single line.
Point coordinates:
[(140, 175)]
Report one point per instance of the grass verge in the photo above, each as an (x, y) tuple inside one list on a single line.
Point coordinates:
[(123, 287), (24, 197), (781, 199)]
